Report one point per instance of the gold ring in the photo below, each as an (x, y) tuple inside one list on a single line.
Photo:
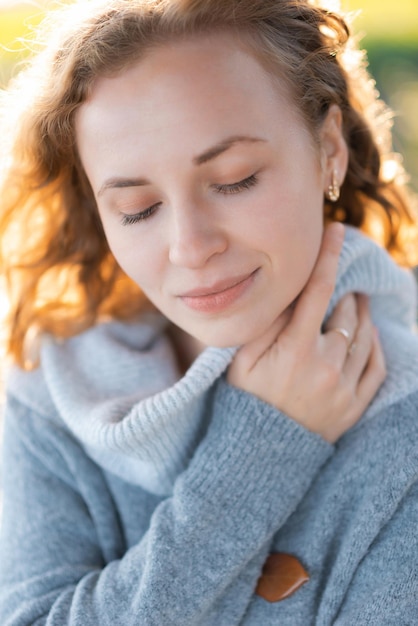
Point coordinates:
[(344, 333)]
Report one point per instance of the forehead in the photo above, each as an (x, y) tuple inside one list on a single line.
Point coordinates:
[(186, 94), (222, 60)]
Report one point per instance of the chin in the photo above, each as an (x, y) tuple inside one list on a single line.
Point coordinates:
[(239, 330)]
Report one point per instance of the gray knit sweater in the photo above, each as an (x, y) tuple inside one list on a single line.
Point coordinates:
[(133, 496)]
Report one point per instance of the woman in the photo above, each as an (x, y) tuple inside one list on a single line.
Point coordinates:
[(187, 153)]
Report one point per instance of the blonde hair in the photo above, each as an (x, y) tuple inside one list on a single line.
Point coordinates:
[(60, 273)]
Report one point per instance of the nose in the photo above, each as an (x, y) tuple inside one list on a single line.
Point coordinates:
[(195, 236)]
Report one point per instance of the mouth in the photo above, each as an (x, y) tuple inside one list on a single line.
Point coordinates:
[(220, 295)]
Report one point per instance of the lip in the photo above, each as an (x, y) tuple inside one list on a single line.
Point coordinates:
[(218, 296)]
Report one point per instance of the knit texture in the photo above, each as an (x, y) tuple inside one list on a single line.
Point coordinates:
[(134, 496)]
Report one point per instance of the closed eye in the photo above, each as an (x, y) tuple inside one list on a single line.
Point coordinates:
[(241, 185), (129, 219)]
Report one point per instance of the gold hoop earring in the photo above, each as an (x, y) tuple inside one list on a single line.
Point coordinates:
[(334, 188)]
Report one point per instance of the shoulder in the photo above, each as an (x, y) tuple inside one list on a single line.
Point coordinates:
[(398, 424)]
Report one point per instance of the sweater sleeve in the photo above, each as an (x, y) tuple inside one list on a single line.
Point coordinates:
[(200, 558), (384, 589)]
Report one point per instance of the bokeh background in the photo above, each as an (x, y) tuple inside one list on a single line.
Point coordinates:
[(389, 30)]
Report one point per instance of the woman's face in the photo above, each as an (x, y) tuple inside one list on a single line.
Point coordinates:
[(208, 185)]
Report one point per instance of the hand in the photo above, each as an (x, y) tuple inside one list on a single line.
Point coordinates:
[(313, 376)]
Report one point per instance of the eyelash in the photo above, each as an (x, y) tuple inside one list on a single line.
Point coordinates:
[(242, 185), (129, 220)]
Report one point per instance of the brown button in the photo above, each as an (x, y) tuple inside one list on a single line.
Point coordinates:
[(282, 575)]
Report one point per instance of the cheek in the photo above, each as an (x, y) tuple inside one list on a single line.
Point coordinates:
[(138, 256), (289, 228), (287, 220)]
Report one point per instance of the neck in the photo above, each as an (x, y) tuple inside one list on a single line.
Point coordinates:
[(187, 348)]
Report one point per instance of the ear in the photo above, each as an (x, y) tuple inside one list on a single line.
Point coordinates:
[(334, 150)]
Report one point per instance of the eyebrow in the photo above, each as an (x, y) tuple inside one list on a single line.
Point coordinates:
[(117, 182), (223, 146)]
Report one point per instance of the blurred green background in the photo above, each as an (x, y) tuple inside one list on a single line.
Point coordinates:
[(390, 36), (389, 32)]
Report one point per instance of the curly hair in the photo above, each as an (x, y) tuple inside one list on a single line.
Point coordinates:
[(60, 273)]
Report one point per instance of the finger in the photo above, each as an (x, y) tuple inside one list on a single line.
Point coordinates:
[(313, 302), (358, 357), (343, 318), (373, 375)]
